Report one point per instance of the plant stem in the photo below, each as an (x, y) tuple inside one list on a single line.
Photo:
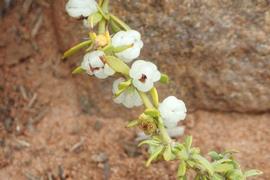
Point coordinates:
[(102, 27), (163, 132)]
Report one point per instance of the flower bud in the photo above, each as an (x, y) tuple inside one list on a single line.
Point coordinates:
[(81, 8), (147, 124), (172, 110)]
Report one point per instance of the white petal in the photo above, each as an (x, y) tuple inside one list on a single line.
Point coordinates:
[(155, 76), (95, 60), (129, 54), (119, 99), (176, 131), (144, 87), (100, 74), (78, 8), (108, 70), (130, 37), (136, 69), (116, 84), (86, 23)]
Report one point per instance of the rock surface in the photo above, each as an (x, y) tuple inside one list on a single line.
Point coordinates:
[(216, 53)]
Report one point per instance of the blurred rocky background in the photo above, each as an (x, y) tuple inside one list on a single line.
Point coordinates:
[(216, 52), (55, 125)]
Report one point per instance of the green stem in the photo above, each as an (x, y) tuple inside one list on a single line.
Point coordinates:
[(119, 22), (102, 27), (145, 99), (163, 132), (105, 6), (100, 2)]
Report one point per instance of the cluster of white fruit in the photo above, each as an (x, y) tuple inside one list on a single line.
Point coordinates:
[(143, 74)]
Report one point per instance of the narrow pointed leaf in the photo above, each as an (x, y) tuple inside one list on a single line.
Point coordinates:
[(188, 142), (253, 172), (103, 13), (182, 169), (223, 168), (94, 19), (123, 25), (117, 65), (121, 48), (154, 155), (153, 112), (78, 70), (76, 48), (115, 26), (150, 142), (204, 162), (167, 155), (133, 123), (125, 84)]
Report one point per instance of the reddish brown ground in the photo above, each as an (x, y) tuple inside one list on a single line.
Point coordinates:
[(49, 130)]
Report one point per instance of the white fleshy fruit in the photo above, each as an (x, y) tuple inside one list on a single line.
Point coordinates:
[(126, 38), (144, 74), (129, 98), (81, 8), (172, 110), (94, 65)]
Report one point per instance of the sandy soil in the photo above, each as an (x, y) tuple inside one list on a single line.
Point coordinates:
[(46, 132)]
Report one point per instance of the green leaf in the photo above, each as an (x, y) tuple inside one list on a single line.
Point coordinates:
[(103, 13), (76, 48), (105, 6), (78, 70), (253, 172), (117, 65), (132, 123), (223, 168), (191, 163), (217, 177), (124, 85), (204, 162), (182, 178), (121, 48), (149, 142), (236, 175), (94, 19), (119, 92), (115, 26), (188, 142), (153, 112), (154, 95), (119, 22), (182, 169), (164, 79), (214, 155), (168, 155), (154, 155), (183, 154)]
